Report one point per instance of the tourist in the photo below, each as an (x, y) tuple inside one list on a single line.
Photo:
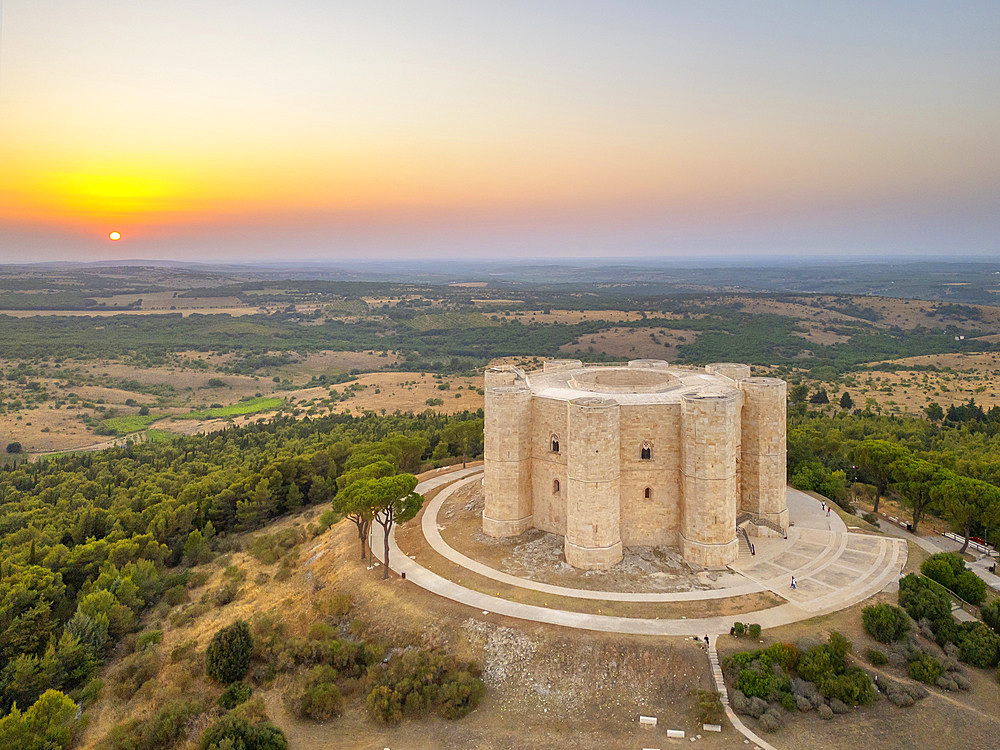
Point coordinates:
[(793, 582), (823, 505), (827, 512)]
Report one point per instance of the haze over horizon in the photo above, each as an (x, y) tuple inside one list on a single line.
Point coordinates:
[(262, 131)]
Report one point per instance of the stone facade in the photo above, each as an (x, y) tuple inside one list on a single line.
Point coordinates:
[(636, 454)]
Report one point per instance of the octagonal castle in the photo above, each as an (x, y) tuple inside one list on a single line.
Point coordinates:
[(643, 454)]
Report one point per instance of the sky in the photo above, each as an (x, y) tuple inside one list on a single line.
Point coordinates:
[(249, 131)]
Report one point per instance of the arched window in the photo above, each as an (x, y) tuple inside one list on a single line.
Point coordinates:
[(647, 452), (555, 486), (648, 493), (555, 443)]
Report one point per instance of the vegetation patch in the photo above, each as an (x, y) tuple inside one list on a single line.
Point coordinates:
[(240, 409)]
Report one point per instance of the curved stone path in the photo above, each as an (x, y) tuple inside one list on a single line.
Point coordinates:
[(847, 569), (432, 533)]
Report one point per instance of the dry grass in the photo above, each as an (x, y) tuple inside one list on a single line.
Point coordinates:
[(656, 343)]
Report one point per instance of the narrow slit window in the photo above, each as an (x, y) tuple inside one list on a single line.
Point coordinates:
[(648, 493), (555, 486), (555, 443)]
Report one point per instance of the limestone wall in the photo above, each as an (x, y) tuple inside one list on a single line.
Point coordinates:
[(656, 519), (763, 450), (549, 418), (506, 464), (710, 426), (593, 537)]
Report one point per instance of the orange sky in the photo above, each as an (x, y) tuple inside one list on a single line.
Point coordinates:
[(649, 127)]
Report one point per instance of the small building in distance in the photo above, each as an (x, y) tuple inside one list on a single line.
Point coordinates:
[(635, 455)]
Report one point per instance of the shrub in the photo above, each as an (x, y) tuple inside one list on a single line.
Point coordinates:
[(419, 681), (948, 569), (885, 623), (232, 731), (754, 631), (175, 595), (924, 668), (319, 697), (853, 687), (165, 728), (970, 587), (228, 656), (920, 599), (871, 518), (739, 628), (977, 644), (223, 595), (941, 568), (876, 657), (235, 694), (785, 654), (754, 683), (710, 709), (148, 638), (772, 721), (135, 671), (990, 613)]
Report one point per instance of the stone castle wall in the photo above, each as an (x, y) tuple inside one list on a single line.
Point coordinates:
[(640, 455)]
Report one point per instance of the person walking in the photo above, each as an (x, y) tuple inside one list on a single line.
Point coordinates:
[(827, 512), (823, 504), (793, 582)]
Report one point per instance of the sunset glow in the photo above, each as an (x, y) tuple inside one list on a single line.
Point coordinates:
[(482, 128)]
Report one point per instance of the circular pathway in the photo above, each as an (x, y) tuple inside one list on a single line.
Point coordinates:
[(834, 569)]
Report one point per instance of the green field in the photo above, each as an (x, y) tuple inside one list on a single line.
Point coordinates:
[(124, 425), (252, 406)]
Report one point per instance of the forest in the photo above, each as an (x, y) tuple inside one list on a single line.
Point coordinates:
[(89, 541)]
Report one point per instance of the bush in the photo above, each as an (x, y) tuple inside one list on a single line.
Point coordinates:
[(924, 668), (739, 628), (148, 638), (228, 656), (772, 721), (419, 681), (165, 728), (754, 631), (948, 569), (921, 599), (754, 683), (854, 687), (977, 644), (990, 613), (885, 623), (876, 657), (235, 694), (236, 732), (970, 587), (135, 671), (941, 568), (319, 697), (710, 710)]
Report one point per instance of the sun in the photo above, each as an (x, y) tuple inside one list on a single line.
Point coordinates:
[(115, 236)]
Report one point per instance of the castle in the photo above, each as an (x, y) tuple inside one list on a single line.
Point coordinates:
[(636, 454)]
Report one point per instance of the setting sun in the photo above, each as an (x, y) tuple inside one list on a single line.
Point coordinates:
[(115, 235)]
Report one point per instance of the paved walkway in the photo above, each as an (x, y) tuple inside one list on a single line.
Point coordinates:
[(818, 599)]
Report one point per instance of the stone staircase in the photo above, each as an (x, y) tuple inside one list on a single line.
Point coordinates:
[(720, 683)]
